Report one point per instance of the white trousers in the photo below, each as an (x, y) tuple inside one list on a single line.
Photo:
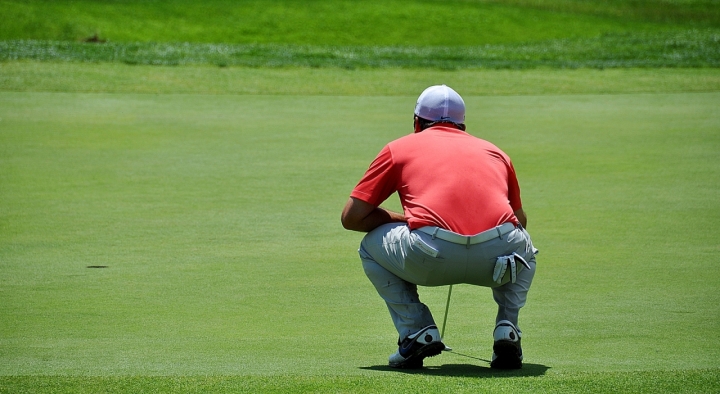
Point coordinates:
[(397, 260)]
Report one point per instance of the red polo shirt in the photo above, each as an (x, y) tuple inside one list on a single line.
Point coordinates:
[(445, 177)]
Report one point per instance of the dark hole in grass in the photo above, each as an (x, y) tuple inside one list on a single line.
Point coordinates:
[(97, 266), (95, 39)]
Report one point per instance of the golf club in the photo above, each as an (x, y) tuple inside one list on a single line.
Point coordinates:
[(447, 307)]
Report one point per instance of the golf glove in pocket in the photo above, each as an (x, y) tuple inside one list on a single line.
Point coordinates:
[(503, 263)]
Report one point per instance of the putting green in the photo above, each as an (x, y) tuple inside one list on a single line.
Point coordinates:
[(217, 219)]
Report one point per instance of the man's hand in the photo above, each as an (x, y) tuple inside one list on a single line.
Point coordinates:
[(361, 216)]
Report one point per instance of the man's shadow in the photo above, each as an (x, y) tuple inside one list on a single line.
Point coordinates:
[(467, 370)]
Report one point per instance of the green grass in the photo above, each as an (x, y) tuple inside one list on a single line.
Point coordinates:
[(699, 381), (217, 217), (345, 22), (33, 76), (691, 48), (348, 34), (697, 12), (210, 191)]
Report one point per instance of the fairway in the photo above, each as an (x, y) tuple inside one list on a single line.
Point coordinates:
[(217, 218)]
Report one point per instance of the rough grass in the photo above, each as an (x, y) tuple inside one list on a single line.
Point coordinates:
[(345, 22), (690, 48), (696, 12), (398, 33)]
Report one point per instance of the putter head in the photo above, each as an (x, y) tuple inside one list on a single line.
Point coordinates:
[(447, 349)]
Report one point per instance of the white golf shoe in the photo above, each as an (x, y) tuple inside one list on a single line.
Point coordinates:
[(416, 347), (507, 351)]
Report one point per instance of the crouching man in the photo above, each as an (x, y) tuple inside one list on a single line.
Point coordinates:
[(462, 222)]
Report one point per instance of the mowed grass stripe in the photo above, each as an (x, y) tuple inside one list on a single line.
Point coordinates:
[(32, 76)]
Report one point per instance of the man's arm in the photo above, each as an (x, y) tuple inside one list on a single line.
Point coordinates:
[(361, 216), (521, 217)]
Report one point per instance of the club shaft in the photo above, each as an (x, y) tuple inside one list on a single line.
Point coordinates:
[(447, 308)]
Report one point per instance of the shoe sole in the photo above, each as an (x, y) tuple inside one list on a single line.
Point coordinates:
[(507, 355), (415, 360)]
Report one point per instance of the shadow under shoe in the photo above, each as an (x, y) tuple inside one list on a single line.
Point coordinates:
[(507, 349), (416, 347)]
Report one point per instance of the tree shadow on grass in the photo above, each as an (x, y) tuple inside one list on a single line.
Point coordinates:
[(467, 370)]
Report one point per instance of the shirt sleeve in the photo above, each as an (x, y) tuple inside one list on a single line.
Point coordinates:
[(380, 180)]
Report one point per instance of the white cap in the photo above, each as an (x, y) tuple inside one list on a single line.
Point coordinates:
[(438, 103)]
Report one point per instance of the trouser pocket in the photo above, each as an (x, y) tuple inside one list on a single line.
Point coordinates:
[(510, 264), (424, 247)]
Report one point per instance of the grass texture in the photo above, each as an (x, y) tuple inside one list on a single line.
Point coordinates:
[(690, 48), (699, 381), (32, 76), (217, 219), (347, 34), (346, 22), (170, 197)]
